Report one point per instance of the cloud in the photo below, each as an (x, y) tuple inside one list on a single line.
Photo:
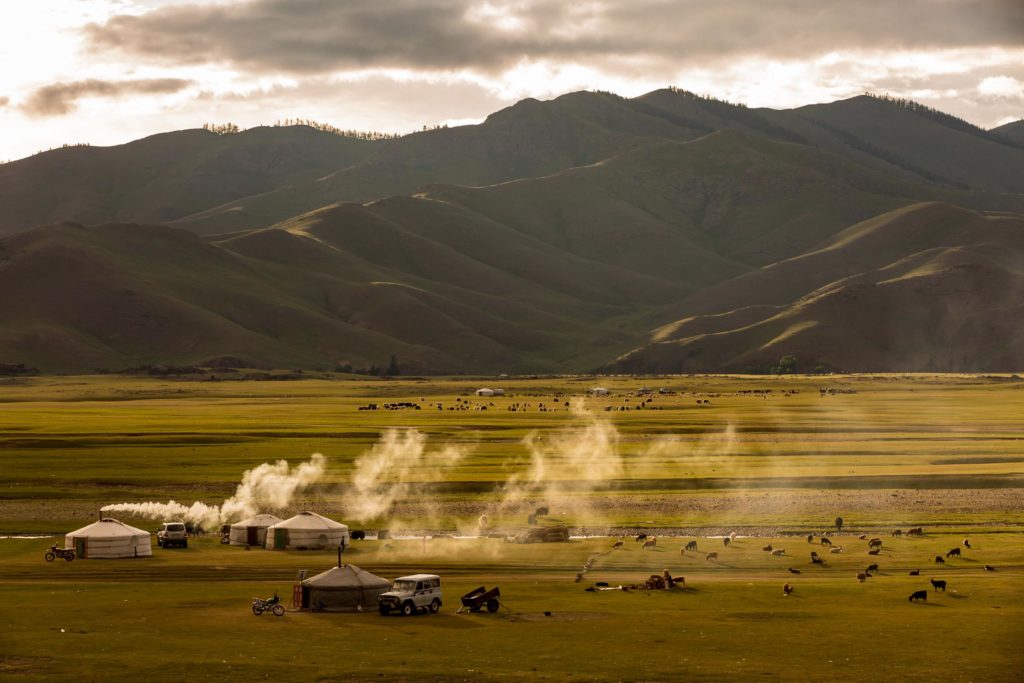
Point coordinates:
[(1004, 87), (324, 36), (58, 99)]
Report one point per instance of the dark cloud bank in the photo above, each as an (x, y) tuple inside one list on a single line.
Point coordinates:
[(61, 98)]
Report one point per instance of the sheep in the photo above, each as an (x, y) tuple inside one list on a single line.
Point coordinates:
[(732, 535), (650, 544), (919, 596), (778, 552), (711, 556), (836, 551), (955, 552), (692, 545), (939, 560), (787, 589), (767, 548), (872, 568), (938, 584)]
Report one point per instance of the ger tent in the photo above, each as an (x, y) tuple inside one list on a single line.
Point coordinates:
[(252, 531), (109, 538), (306, 531), (343, 589)]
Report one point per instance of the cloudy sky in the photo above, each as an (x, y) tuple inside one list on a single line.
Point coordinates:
[(108, 71)]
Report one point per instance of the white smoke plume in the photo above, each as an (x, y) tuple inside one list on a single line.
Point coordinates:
[(392, 468), (268, 486)]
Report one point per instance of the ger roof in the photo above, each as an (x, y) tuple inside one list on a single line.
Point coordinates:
[(108, 527)]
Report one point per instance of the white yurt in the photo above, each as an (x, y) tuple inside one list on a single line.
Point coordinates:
[(109, 538), (598, 391), (345, 588), (485, 392), (306, 531), (252, 531)]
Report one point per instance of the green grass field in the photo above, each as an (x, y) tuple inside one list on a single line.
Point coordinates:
[(946, 452)]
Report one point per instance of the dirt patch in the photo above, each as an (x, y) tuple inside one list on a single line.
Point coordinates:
[(24, 666), (558, 616)]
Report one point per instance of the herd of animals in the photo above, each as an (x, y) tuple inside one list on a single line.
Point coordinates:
[(874, 547)]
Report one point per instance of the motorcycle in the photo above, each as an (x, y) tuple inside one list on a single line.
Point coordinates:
[(269, 605), (54, 552)]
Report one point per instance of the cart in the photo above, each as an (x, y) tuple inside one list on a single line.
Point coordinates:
[(478, 598)]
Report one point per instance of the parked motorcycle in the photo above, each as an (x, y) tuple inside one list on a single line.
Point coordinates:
[(54, 552), (269, 605)]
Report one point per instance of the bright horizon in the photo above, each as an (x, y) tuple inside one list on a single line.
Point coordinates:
[(109, 71)]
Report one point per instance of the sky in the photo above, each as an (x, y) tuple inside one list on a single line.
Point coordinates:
[(108, 71)]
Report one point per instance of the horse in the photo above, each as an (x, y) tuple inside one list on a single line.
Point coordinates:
[(692, 545)]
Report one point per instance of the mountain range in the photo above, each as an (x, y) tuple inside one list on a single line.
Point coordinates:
[(663, 233)]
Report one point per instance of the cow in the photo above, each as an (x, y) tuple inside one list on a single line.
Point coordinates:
[(711, 556), (875, 543), (825, 541), (692, 545), (955, 552), (939, 584), (897, 533), (939, 560), (916, 531), (919, 596), (915, 572)]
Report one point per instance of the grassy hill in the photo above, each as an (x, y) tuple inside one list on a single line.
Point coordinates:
[(927, 287), (1013, 131)]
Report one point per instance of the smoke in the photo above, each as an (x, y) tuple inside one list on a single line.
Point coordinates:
[(393, 468), (268, 486)]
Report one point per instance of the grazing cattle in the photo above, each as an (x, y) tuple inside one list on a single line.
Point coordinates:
[(915, 572), (875, 543), (897, 533), (955, 552), (916, 531), (787, 589), (650, 544), (939, 560), (726, 541), (875, 551), (641, 537), (825, 541), (810, 538), (836, 551), (861, 576), (872, 568), (939, 584), (794, 571), (692, 545), (989, 568), (967, 543), (919, 596), (711, 556), (767, 548), (617, 544), (778, 552)]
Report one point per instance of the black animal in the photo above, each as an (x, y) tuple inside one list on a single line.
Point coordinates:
[(875, 543), (915, 572), (814, 555), (357, 535), (810, 538), (989, 568), (641, 537), (542, 511), (872, 568), (967, 544), (897, 533), (794, 571), (939, 560), (939, 584), (692, 545), (874, 551), (767, 548), (955, 552), (726, 541), (817, 560), (919, 596), (825, 541)]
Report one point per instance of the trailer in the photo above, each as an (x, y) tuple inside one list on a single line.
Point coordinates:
[(478, 598)]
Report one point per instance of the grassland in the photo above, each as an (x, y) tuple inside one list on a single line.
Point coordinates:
[(942, 451)]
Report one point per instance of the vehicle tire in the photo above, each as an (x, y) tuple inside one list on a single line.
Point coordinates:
[(408, 609), (69, 556), (50, 557), (257, 610), (435, 606), (278, 610), (384, 610), (493, 605), (184, 544), (224, 540)]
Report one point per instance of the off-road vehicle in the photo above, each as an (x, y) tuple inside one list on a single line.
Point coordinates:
[(409, 594), (172, 533)]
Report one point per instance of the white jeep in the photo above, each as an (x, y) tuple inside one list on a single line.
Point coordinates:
[(409, 594), (172, 533)]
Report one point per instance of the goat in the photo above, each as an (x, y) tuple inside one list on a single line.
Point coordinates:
[(778, 552), (711, 556), (939, 584), (939, 560), (919, 596), (955, 552), (692, 545), (650, 544)]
